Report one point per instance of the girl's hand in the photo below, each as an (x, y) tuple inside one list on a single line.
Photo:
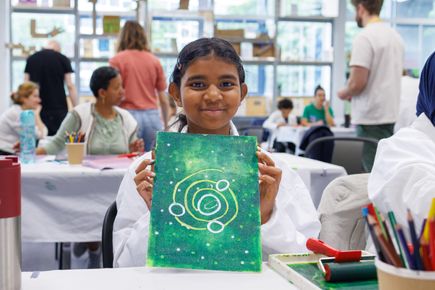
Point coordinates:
[(270, 178), (144, 181), (137, 146)]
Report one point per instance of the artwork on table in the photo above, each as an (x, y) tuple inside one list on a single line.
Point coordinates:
[(205, 212)]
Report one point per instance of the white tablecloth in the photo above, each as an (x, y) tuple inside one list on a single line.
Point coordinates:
[(315, 174), (65, 203), (155, 279), (295, 134)]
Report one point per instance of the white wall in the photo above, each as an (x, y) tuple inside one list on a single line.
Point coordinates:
[(4, 56)]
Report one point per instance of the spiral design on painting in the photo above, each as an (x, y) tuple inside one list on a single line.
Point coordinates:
[(204, 201)]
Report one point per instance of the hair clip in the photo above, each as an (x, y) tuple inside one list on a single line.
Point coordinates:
[(179, 66)]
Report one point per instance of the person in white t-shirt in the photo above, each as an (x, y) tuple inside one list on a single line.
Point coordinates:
[(281, 117), (408, 102), (376, 69)]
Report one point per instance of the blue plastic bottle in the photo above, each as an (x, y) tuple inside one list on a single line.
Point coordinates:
[(27, 136)]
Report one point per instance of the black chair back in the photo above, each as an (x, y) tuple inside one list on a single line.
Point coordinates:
[(107, 234)]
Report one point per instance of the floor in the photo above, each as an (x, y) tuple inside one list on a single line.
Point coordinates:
[(41, 257)]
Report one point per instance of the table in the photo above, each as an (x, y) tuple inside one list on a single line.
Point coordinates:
[(295, 134), (315, 174), (156, 279), (65, 203)]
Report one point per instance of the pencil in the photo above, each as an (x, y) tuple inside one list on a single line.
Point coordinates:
[(405, 247), (370, 223), (386, 250), (425, 255), (393, 222), (415, 242), (432, 242)]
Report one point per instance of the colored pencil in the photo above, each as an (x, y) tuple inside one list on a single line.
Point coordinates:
[(370, 223), (432, 242), (424, 246), (393, 222), (388, 252), (415, 242), (405, 247)]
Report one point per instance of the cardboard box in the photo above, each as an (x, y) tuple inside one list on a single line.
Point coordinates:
[(184, 4), (256, 106), (237, 47), (263, 50), (229, 33)]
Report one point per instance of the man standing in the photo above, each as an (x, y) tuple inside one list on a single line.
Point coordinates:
[(52, 70), (374, 82)]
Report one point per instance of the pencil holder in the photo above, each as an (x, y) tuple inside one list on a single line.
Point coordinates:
[(390, 277), (75, 152)]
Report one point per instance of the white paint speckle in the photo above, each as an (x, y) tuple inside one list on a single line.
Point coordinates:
[(232, 236), (178, 249), (168, 144), (202, 258), (170, 223), (242, 262), (208, 244), (162, 210), (156, 232), (171, 182), (246, 252)]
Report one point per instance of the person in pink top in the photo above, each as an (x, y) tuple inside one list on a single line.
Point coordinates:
[(144, 82)]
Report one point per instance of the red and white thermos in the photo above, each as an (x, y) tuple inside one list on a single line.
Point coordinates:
[(10, 223)]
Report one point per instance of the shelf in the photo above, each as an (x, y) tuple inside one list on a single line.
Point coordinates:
[(98, 36), (94, 59), (305, 62), (47, 10), (249, 40), (177, 15), (259, 60), (166, 54), (306, 18), (131, 13), (243, 17)]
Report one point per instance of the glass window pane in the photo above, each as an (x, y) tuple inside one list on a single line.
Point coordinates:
[(45, 23), (101, 47), (385, 12), (44, 3), (409, 34), (259, 79), (305, 41), (428, 43), (244, 7), (86, 70), (17, 73), (87, 28), (173, 4), (415, 9), (300, 81), (171, 35), (168, 64), (327, 8), (108, 5)]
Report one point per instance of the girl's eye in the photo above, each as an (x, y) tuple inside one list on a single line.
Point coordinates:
[(227, 84), (197, 85)]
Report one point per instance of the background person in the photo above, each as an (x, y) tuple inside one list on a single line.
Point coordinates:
[(144, 82), (319, 112), (51, 70)]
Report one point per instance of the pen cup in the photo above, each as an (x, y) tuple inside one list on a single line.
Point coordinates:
[(75, 152), (390, 277)]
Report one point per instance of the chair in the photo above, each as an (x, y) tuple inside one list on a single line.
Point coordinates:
[(347, 152), (257, 131), (106, 237), (343, 225)]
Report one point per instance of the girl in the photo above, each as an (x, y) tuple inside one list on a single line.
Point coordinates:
[(208, 81), (319, 112), (403, 175), (25, 98), (144, 82)]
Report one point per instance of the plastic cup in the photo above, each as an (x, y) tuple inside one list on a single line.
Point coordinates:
[(390, 277), (75, 152)]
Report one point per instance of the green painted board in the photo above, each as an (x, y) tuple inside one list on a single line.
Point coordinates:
[(312, 272), (205, 209)]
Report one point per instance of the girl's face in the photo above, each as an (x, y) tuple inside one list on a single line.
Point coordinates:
[(114, 93), (320, 96), (31, 102), (210, 95)]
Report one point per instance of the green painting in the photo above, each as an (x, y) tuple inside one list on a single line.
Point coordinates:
[(205, 210)]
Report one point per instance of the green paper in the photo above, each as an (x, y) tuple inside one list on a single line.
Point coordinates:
[(205, 210)]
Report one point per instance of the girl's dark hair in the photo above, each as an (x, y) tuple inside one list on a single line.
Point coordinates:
[(101, 77), (285, 104), (200, 48), (319, 87)]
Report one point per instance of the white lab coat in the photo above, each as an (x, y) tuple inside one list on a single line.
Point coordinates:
[(403, 175), (294, 218), (408, 102)]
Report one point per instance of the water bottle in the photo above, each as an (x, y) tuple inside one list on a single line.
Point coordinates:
[(27, 136), (10, 223)]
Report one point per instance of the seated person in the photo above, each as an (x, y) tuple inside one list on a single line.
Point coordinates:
[(25, 98), (403, 174), (208, 81), (108, 129), (318, 113), (278, 119)]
